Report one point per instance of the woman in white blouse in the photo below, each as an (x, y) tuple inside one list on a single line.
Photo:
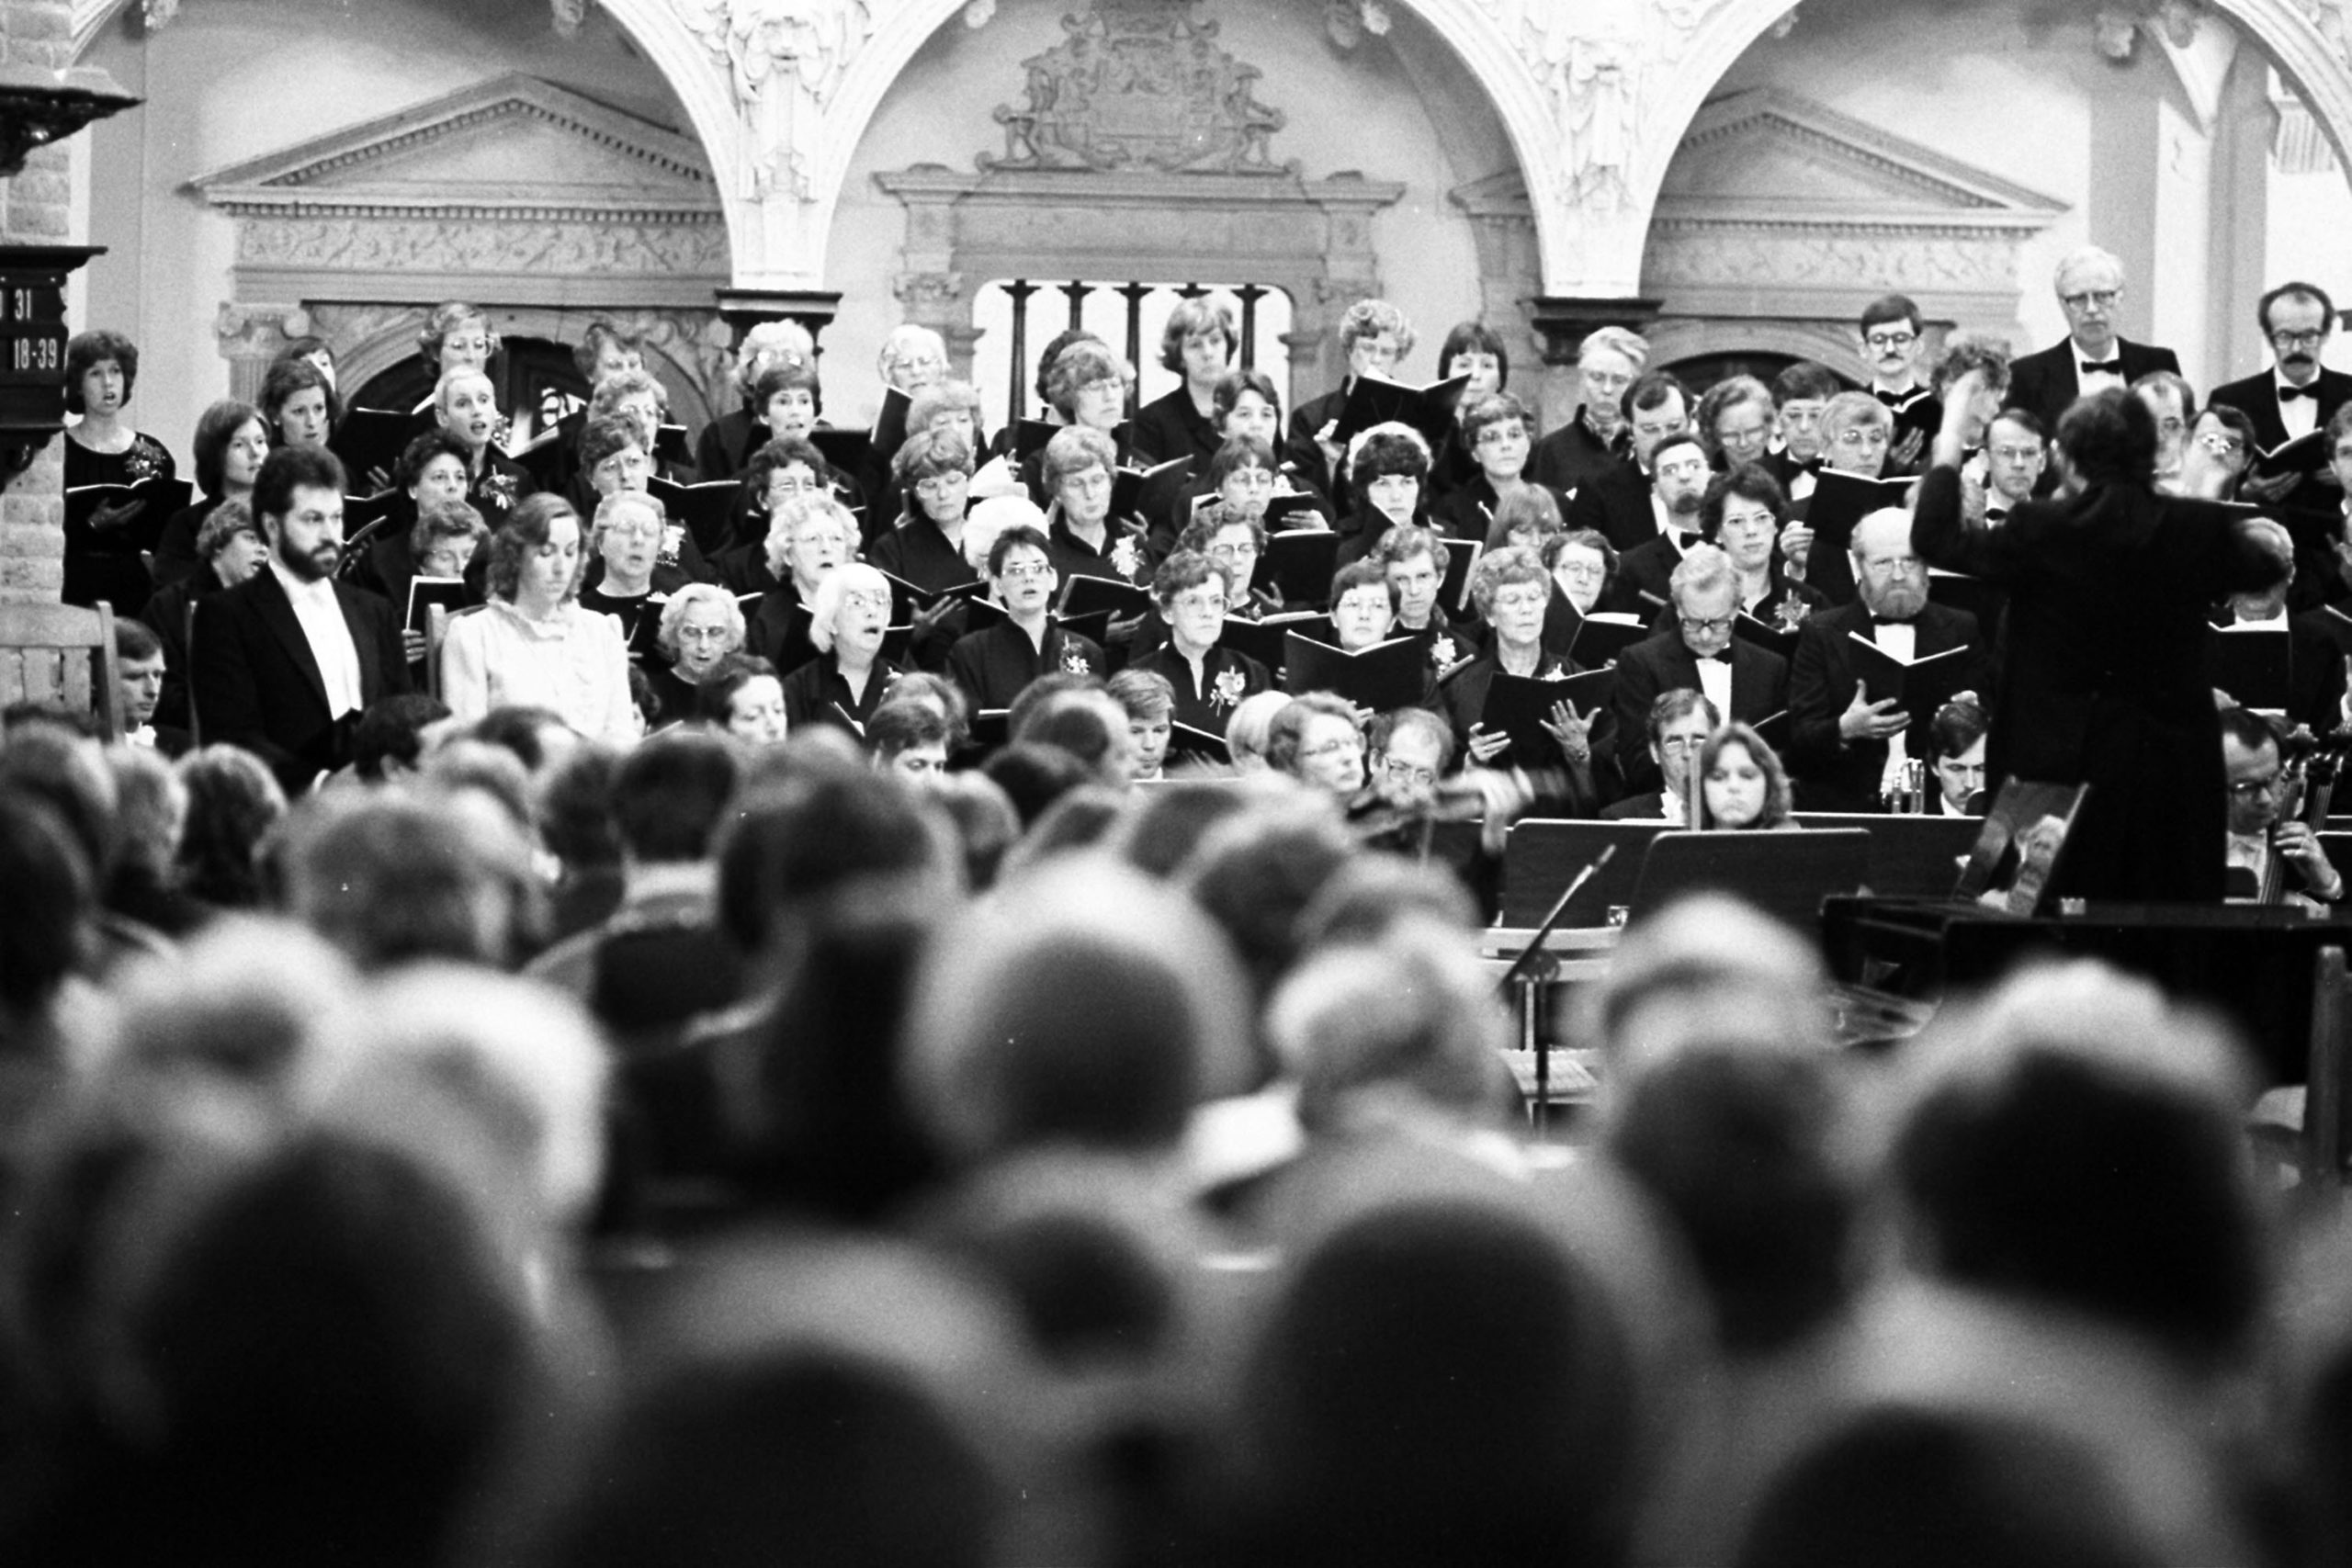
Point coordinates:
[(533, 644)]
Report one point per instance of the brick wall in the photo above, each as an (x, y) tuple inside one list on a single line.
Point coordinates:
[(35, 207)]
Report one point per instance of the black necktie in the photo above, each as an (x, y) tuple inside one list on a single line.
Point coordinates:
[(2106, 367), (2289, 394)]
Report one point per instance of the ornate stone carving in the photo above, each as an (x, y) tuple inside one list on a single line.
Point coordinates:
[(1140, 84), (918, 290), (480, 244), (787, 57), (569, 15), (1595, 61)]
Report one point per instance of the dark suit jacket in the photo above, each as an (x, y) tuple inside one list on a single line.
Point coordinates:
[(1572, 456), (996, 665), (257, 685), (2257, 398), (2102, 677), (2044, 381), (1759, 688), (1647, 569), (1831, 774), (1616, 502), (2314, 669), (1170, 427)]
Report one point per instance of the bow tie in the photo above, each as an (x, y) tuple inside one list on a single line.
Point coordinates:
[(1995, 514), (1894, 400), (2102, 367), (1889, 621), (1722, 658), (2289, 394)]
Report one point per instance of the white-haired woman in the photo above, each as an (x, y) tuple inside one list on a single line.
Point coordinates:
[(809, 540), (701, 625), (533, 645), (848, 678)]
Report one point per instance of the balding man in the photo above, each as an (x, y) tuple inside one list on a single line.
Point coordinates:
[(2093, 358), (1694, 651), (1594, 437), (1844, 749)]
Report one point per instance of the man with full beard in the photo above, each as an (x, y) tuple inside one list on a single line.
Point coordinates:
[(285, 662)]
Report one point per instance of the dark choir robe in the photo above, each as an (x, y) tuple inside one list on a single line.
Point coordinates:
[(1124, 557), (1467, 511), (2046, 383), (1225, 678), (1572, 456), (1831, 773), (1615, 504), (677, 695), (996, 665), (1170, 427), (1759, 688), (256, 684), (176, 557), (917, 551), (499, 488), (816, 694), (1452, 467), (1461, 699), (2102, 676), (629, 610), (728, 443), (776, 633)]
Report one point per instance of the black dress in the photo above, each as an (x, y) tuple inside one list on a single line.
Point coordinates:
[(106, 564), (2102, 679)]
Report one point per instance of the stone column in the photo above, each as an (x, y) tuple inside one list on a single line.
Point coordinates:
[(251, 338), (36, 208)]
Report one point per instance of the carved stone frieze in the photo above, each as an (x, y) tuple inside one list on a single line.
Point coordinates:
[(1703, 255), (481, 244), (917, 290), (1140, 84)]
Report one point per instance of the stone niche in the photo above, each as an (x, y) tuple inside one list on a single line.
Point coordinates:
[(1779, 219), (1138, 149), (546, 208)]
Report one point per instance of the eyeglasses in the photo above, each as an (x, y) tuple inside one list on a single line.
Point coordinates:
[(1201, 603), (1499, 434), (1234, 552), (1509, 602), (1706, 628), (2015, 454), (1030, 572), (1352, 745), (2222, 445), (869, 600), (1582, 571), (1892, 339), (941, 484), (1680, 743), (2311, 338), (1405, 774), (635, 530), (2254, 789), (2104, 299)]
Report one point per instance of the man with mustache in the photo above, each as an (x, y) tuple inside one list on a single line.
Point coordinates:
[(284, 664), (2296, 396)]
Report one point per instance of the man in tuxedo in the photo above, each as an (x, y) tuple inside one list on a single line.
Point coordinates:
[(1695, 651), (1595, 436), (1844, 749), (1680, 722), (285, 662), (1373, 335), (2093, 358), (1893, 336), (2296, 396), (1617, 502), (1679, 471), (2017, 450)]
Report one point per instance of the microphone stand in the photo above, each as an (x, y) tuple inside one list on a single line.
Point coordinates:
[(1535, 967)]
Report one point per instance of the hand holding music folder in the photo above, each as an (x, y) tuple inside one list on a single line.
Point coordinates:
[(1917, 687), (1263, 640), (1375, 399), (707, 510), (1128, 485), (156, 498), (424, 593), (2305, 453), (1383, 677), (1520, 705), (1601, 637)]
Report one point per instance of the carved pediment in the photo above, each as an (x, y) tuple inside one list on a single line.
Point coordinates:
[(513, 145), (1766, 152)]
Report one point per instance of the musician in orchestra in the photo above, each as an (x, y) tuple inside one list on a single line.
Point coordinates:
[(1679, 722), (2259, 836), (1742, 787), (2108, 583), (1956, 751)]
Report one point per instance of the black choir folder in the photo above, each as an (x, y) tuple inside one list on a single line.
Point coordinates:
[(159, 499), (2254, 665), (1084, 595), (370, 439), (707, 509), (1387, 675), (2304, 454), (1919, 686), (1375, 399), (424, 593), (1601, 637), (1263, 640), (1299, 565), (1518, 706)]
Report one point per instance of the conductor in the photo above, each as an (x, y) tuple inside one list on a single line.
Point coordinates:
[(2108, 586)]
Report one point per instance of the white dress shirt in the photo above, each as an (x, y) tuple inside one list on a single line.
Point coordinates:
[(2299, 415), (1902, 639), (320, 614), (2089, 381), (1714, 681)]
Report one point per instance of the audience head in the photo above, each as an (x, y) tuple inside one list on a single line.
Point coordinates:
[(910, 739), (744, 697), (2072, 1142), (1956, 751), (1708, 972), (45, 920), (1314, 738), (1149, 703), (389, 737), (394, 876), (803, 843), (1087, 1006), (139, 662), (1249, 728), (233, 802)]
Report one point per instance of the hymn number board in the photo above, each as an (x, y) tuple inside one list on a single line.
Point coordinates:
[(32, 333)]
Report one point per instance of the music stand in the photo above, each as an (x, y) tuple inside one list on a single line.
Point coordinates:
[(1536, 967), (1786, 874)]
